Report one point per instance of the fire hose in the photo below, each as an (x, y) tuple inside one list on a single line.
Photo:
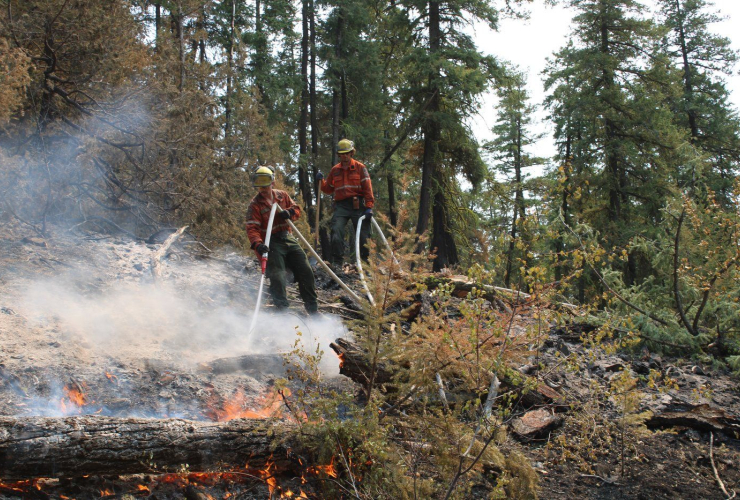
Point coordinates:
[(357, 253), (328, 270), (358, 261), (263, 264)]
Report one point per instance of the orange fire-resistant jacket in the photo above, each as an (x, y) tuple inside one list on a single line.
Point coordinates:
[(258, 215), (349, 182)]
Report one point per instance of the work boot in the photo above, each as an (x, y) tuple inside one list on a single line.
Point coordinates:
[(312, 309)]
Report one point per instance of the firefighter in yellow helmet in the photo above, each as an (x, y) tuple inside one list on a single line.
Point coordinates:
[(284, 251), (349, 182)]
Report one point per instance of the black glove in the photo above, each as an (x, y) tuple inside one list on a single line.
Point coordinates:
[(287, 214), (319, 175), (368, 214), (262, 249)]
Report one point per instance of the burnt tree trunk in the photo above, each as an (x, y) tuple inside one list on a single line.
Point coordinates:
[(32, 447)]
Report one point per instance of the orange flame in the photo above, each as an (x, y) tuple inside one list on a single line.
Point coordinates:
[(270, 404), (74, 398), (267, 476), (105, 493), (20, 486), (341, 359), (111, 377), (329, 470), (290, 494)]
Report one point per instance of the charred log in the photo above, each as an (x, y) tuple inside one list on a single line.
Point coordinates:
[(497, 296), (33, 447), (356, 365), (462, 286), (250, 363), (701, 417)]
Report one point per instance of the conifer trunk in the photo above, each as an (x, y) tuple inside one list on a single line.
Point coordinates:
[(303, 182), (431, 129)]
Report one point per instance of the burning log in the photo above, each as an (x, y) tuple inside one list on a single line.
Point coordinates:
[(355, 364), (33, 447)]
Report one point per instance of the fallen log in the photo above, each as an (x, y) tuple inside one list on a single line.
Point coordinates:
[(156, 259), (249, 363), (701, 417), (354, 363), (33, 447), (462, 286)]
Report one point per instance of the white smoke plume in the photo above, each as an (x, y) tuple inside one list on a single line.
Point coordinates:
[(176, 321)]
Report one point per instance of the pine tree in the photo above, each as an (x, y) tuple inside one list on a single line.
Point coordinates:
[(702, 107), (447, 74), (513, 135), (609, 91)]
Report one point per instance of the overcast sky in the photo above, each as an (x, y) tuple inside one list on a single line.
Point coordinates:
[(528, 44)]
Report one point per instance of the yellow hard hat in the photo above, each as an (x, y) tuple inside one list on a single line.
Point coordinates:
[(345, 146), (263, 177)]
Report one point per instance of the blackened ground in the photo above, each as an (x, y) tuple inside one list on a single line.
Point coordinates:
[(659, 466)]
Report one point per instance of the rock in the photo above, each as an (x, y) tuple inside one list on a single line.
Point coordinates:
[(527, 369), (535, 424), (611, 364), (563, 348), (698, 370), (656, 362), (641, 367)]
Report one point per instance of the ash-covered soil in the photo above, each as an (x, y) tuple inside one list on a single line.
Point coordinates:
[(83, 311)]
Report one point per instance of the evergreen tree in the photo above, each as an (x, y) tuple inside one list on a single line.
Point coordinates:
[(609, 92), (702, 107), (513, 135), (447, 74)]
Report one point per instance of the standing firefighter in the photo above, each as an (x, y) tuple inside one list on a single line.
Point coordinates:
[(349, 182), (284, 250)]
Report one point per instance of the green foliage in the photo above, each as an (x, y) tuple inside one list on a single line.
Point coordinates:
[(402, 441)]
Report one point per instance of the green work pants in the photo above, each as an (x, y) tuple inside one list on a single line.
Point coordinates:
[(285, 252), (343, 213)]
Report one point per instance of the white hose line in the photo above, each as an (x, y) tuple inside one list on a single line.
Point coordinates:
[(358, 261), (382, 237), (328, 270), (262, 279)]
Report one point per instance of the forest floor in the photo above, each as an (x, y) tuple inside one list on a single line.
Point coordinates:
[(81, 311)]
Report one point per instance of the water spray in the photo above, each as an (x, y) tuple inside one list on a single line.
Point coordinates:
[(263, 265)]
